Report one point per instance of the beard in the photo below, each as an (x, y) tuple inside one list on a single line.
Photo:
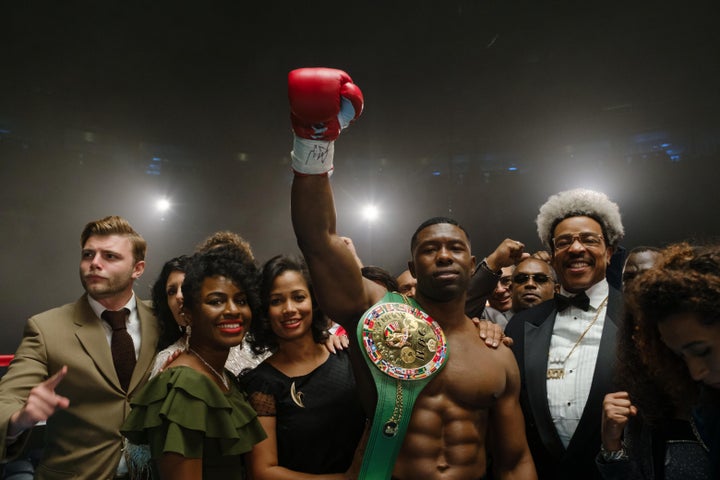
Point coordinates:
[(107, 286)]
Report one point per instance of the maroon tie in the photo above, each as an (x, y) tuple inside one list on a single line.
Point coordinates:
[(122, 347)]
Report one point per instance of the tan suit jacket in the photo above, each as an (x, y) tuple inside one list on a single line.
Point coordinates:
[(82, 441)]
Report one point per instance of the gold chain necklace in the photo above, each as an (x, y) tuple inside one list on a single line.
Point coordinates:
[(222, 377), (559, 373)]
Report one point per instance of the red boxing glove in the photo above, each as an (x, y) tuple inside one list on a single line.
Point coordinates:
[(323, 101)]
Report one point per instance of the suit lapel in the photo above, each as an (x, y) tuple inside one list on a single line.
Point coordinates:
[(92, 337), (537, 345)]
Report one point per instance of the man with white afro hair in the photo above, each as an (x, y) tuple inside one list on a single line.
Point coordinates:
[(580, 201), (565, 347)]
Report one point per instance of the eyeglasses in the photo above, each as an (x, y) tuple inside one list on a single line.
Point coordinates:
[(538, 278), (505, 281), (587, 239)]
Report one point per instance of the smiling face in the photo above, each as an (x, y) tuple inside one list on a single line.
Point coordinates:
[(580, 266), (697, 343), (501, 297), (290, 308), (221, 317), (108, 268), (442, 262)]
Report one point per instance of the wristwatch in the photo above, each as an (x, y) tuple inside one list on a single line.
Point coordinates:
[(484, 265), (613, 456)]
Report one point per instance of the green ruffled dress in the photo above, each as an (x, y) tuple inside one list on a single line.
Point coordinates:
[(183, 411)]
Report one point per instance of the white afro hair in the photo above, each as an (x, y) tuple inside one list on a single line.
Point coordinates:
[(580, 202)]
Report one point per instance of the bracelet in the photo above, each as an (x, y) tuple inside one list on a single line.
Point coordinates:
[(613, 456)]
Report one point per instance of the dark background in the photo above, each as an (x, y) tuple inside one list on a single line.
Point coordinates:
[(475, 109)]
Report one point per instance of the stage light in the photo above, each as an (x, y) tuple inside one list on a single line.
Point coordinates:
[(163, 205), (370, 213)]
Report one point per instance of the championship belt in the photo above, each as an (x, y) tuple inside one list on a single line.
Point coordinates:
[(403, 348)]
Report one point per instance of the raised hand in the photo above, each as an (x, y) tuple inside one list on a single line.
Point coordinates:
[(41, 404), (323, 101), (617, 410), (509, 252)]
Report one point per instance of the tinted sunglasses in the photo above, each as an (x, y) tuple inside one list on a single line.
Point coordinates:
[(538, 278)]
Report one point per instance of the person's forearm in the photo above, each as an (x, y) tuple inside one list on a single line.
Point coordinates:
[(481, 286), (313, 213)]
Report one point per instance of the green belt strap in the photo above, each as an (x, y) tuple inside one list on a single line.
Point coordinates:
[(404, 348)]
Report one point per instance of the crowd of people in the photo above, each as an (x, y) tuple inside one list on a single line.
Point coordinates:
[(605, 371)]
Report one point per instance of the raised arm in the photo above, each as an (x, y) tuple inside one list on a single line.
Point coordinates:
[(487, 274), (340, 289), (323, 101)]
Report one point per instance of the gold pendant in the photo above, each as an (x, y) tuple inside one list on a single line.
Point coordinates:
[(296, 396), (555, 373)]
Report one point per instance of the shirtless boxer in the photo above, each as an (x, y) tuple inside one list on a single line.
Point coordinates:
[(469, 412)]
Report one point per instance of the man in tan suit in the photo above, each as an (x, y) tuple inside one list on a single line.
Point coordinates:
[(63, 371)]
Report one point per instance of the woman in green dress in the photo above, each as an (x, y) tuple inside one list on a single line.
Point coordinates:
[(193, 415)]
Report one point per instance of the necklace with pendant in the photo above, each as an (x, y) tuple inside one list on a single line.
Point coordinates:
[(559, 373), (222, 376)]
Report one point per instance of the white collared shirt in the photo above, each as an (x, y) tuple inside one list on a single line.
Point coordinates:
[(133, 321), (567, 396)]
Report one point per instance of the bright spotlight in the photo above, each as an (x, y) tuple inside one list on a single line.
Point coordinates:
[(163, 205), (370, 213)]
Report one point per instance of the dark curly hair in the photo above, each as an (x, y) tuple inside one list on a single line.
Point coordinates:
[(647, 391), (169, 331), (261, 337), (228, 261), (687, 280)]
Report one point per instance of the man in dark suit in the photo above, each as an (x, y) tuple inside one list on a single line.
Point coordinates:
[(65, 371), (565, 347)]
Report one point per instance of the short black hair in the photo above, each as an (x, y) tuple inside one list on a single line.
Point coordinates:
[(435, 221)]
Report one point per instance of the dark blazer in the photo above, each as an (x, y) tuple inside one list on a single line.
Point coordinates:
[(531, 331), (84, 440)]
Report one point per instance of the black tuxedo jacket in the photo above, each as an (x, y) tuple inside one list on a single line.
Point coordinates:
[(531, 331)]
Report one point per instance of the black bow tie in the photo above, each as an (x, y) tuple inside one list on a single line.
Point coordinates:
[(580, 300)]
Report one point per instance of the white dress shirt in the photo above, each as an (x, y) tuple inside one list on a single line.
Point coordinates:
[(567, 396)]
